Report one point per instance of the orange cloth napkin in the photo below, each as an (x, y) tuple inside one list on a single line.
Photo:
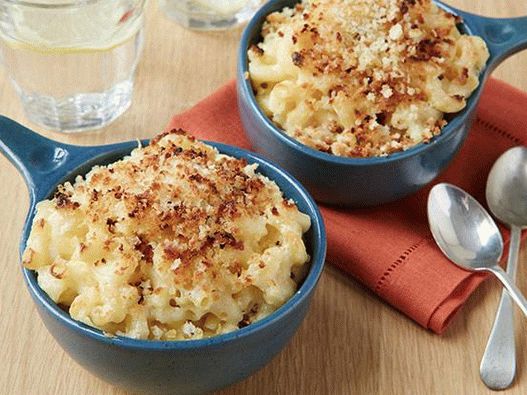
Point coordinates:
[(389, 248)]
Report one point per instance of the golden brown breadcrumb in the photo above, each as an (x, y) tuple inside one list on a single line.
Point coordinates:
[(175, 241), (366, 77)]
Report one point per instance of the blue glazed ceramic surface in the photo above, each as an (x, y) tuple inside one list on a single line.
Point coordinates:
[(358, 182), (159, 367)]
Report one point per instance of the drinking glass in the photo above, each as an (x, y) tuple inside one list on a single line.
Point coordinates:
[(210, 14), (72, 62)]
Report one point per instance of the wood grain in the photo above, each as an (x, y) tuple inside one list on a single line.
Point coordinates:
[(350, 343)]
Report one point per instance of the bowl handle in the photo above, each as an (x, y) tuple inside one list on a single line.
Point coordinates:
[(41, 161), (504, 36)]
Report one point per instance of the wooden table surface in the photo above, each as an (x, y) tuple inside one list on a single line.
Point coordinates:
[(350, 343)]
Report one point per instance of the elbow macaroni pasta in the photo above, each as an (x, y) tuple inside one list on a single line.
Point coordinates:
[(175, 241), (363, 78)]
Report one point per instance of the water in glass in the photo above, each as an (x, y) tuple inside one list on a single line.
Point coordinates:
[(72, 63)]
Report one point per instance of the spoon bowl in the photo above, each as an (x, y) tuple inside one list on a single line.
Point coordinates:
[(507, 187), (463, 229), (468, 235)]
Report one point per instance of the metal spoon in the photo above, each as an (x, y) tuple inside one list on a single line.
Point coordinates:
[(507, 199), (468, 235)]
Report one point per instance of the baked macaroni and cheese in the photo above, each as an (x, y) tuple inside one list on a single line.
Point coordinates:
[(361, 78), (175, 241)]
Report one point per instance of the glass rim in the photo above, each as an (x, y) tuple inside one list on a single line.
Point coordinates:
[(62, 5)]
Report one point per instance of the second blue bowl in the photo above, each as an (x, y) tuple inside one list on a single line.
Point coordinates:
[(358, 182)]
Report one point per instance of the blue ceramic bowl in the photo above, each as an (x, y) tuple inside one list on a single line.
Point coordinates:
[(358, 182), (159, 367)]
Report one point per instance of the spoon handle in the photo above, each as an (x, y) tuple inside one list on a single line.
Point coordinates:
[(514, 292), (498, 365)]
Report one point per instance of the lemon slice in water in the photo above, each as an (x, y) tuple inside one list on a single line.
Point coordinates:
[(100, 26)]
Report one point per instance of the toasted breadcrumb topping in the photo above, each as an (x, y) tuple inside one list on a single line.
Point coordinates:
[(364, 77), (175, 241)]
